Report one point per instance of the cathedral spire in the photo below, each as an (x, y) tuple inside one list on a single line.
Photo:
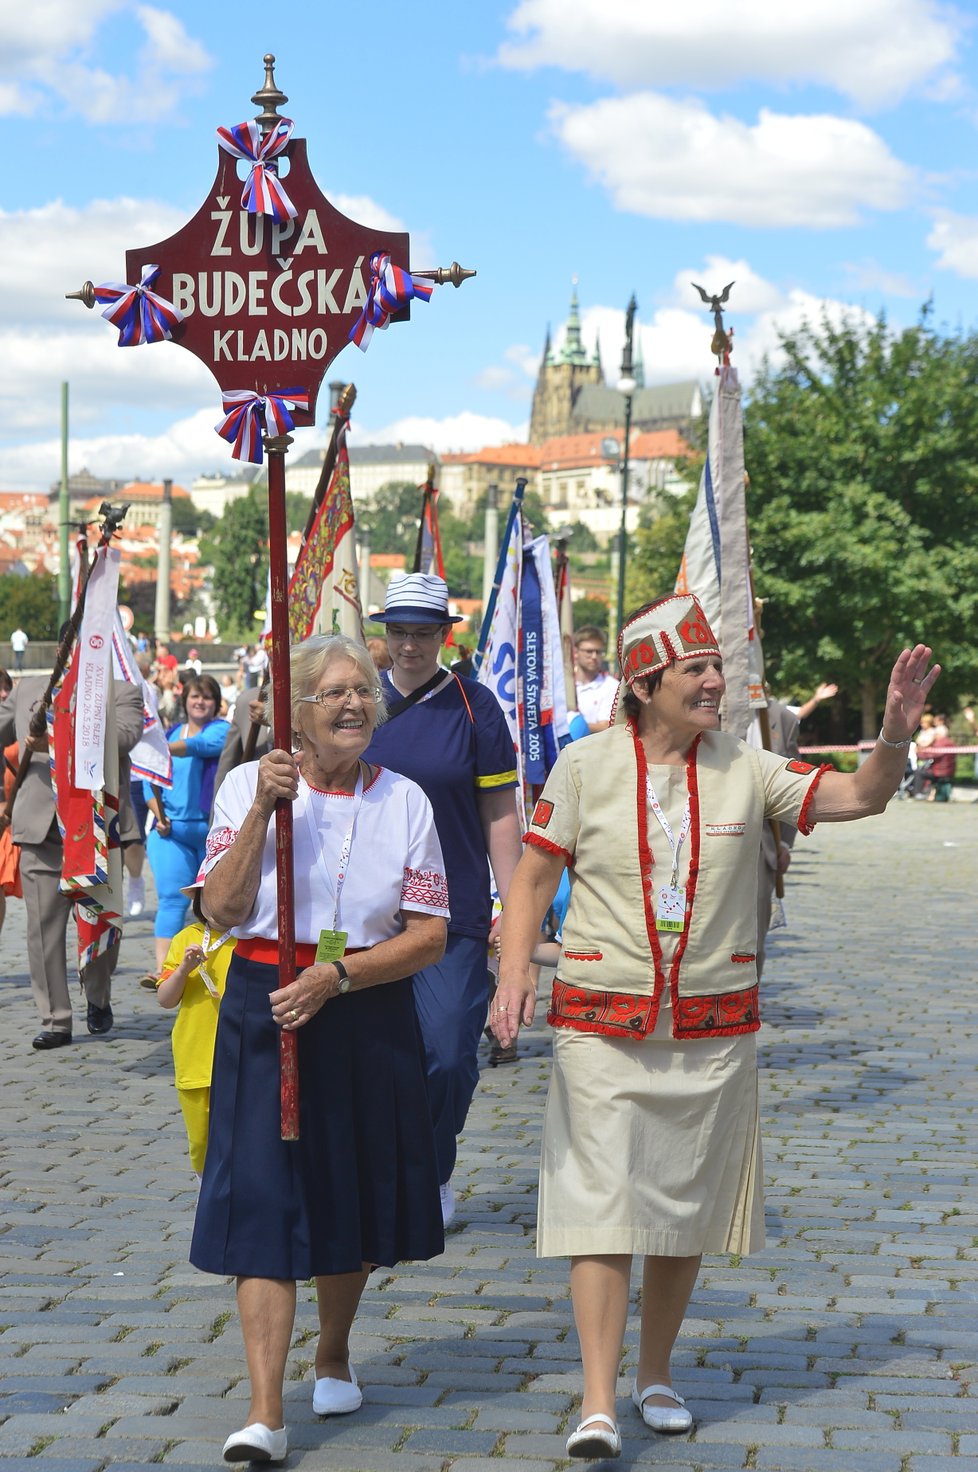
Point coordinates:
[(573, 349)]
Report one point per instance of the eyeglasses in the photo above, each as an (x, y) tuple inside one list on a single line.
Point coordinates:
[(338, 695), (588, 649), (420, 636)]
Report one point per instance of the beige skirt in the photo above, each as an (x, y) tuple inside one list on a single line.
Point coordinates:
[(651, 1147)]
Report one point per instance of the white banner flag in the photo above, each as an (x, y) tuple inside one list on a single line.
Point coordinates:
[(94, 656), (716, 558)]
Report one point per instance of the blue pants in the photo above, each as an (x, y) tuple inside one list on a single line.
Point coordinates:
[(175, 861), (451, 999)]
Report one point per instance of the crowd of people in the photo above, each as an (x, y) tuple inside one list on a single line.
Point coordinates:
[(402, 782)]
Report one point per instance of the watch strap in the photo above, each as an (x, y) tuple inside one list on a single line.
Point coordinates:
[(343, 975)]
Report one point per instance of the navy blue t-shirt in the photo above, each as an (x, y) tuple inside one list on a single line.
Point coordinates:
[(454, 744)]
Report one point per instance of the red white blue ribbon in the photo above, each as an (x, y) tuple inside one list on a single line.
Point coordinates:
[(141, 315), (247, 416), (263, 193), (391, 288)]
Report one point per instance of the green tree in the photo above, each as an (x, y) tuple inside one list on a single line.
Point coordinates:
[(658, 549), (239, 553), (30, 603), (862, 449)]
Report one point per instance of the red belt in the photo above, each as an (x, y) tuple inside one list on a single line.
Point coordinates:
[(257, 948)]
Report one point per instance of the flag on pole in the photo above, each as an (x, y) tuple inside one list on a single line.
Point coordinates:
[(83, 743), (324, 596), (150, 758), (427, 551), (716, 558), (523, 662), (565, 618)]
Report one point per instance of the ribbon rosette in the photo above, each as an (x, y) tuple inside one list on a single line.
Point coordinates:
[(141, 315), (263, 193), (391, 288), (247, 416)]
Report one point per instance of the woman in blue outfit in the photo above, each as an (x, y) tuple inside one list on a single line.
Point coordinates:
[(175, 846)]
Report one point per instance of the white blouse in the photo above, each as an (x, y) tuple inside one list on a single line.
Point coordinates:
[(395, 860)]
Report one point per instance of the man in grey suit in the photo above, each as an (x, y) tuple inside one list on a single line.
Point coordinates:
[(35, 828)]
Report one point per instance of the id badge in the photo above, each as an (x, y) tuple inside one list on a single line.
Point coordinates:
[(332, 945), (670, 913), (208, 980)]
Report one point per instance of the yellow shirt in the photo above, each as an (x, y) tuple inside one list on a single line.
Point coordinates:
[(195, 1027)]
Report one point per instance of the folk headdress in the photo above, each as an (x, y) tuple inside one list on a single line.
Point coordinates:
[(672, 628)]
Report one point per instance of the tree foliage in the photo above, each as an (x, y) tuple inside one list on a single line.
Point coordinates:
[(862, 450), (240, 556), (29, 603), (658, 549)]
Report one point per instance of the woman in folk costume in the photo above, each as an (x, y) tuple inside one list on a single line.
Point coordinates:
[(650, 1139)]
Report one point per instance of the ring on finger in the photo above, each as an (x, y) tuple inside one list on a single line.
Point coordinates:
[(293, 1015)]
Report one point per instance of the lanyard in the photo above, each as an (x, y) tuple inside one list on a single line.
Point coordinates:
[(335, 886), (209, 947), (675, 844)]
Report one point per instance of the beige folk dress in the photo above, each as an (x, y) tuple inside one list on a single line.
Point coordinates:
[(651, 1144)]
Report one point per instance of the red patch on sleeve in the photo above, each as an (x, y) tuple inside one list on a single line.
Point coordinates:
[(542, 813), (800, 767)]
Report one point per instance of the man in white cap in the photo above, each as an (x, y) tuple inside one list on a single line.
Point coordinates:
[(449, 735)]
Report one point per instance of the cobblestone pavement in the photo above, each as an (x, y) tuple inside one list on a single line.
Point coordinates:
[(849, 1344)]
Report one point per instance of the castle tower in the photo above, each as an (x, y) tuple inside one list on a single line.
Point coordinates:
[(560, 380)]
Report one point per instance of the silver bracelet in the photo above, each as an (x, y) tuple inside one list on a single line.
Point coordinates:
[(893, 745)]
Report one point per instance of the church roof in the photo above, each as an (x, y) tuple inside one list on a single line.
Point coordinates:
[(602, 405)]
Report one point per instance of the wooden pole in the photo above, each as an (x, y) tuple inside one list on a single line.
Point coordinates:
[(282, 736)]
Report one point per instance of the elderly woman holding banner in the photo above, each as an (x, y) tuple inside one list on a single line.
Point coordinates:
[(650, 1139), (360, 1186)]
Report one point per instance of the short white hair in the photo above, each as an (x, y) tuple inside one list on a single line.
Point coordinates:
[(309, 659)]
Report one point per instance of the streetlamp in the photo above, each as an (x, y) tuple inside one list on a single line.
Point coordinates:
[(626, 386)]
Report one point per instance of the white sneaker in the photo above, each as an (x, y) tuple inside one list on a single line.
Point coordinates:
[(447, 1204), (137, 896)]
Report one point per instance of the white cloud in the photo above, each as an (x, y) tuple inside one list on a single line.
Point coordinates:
[(465, 431), (677, 161), (47, 46), (955, 239), (515, 376), (869, 277), (181, 452), (874, 52), (53, 249), (751, 293)]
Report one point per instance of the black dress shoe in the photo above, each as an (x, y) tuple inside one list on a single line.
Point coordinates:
[(100, 1019), (51, 1040)]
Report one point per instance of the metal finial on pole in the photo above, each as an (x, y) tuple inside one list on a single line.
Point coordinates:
[(722, 340), (269, 97), (454, 273)]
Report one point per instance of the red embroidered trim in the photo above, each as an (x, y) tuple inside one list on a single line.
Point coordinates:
[(617, 1014), (804, 826), (425, 887), (219, 842), (584, 955), (731, 1012), (552, 848), (646, 863), (744, 960), (692, 785), (542, 813)]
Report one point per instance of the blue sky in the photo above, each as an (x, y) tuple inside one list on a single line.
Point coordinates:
[(821, 154)]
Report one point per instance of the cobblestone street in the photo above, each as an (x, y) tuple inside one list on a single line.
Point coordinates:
[(850, 1344)]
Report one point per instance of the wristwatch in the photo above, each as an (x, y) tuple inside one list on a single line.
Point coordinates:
[(345, 982)]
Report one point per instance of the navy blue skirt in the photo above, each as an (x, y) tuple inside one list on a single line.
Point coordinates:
[(361, 1182)]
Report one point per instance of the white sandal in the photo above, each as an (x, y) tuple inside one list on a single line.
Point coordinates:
[(596, 1437), (672, 1420)]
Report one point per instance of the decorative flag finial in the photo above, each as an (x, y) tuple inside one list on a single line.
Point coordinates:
[(722, 340), (269, 98)]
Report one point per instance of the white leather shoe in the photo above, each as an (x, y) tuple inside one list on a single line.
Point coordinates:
[(447, 1204), (595, 1439), (257, 1443), (672, 1419), (337, 1397)]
